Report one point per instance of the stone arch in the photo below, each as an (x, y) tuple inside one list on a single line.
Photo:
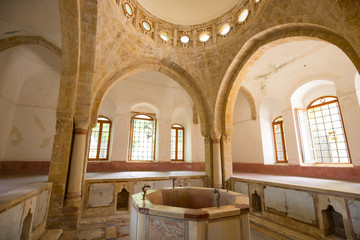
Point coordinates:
[(164, 66), (14, 41), (247, 56), (251, 101)]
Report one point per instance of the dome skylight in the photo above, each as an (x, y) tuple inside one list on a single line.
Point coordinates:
[(128, 9), (146, 25), (204, 37), (224, 29), (243, 15), (184, 39), (164, 35)]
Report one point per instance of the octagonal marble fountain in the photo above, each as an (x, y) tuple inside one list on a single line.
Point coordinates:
[(189, 213)]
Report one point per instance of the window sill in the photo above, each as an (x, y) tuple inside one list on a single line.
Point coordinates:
[(177, 161), (282, 164), (141, 161), (345, 165), (99, 160)]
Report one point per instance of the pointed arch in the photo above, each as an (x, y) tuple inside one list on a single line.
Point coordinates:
[(241, 64), (13, 41), (164, 66)]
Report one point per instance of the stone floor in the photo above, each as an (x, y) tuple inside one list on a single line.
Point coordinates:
[(258, 236)]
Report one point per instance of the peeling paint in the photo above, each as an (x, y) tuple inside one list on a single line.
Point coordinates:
[(39, 124), (18, 136), (45, 142)]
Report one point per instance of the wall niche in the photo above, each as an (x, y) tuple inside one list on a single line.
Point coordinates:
[(26, 226), (255, 202), (333, 222), (122, 200)]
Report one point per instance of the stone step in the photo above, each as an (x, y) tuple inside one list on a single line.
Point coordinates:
[(53, 234), (276, 231)]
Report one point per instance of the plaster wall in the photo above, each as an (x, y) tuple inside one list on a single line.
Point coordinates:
[(317, 69), (157, 94), (30, 82), (246, 138)]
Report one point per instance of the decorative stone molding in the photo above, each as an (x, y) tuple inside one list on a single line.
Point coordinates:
[(14, 41), (80, 131), (226, 139), (195, 115), (216, 141)]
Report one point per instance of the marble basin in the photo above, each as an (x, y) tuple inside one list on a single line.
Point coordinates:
[(189, 213)]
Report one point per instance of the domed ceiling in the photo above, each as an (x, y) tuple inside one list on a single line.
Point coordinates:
[(188, 12)]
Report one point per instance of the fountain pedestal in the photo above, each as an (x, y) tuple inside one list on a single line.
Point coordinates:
[(189, 213)]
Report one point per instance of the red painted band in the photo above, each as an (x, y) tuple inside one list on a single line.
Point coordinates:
[(80, 131)]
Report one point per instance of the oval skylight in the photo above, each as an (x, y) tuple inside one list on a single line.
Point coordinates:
[(204, 37), (184, 39), (146, 25), (164, 35), (243, 15), (224, 29), (128, 9)]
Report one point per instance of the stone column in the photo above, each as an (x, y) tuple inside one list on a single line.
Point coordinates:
[(73, 192), (226, 157), (208, 161), (217, 178)]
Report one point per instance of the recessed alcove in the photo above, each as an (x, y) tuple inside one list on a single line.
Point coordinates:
[(255, 202), (122, 203), (333, 222), (26, 227)]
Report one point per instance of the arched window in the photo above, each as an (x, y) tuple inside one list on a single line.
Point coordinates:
[(279, 140), (142, 137), (322, 132), (177, 142), (100, 140)]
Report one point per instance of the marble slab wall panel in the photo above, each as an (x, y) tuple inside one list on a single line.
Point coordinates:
[(196, 182), (153, 185), (133, 223), (241, 187), (161, 228), (41, 207), (224, 229), (354, 209), (138, 185), (163, 184), (10, 222), (300, 206), (295, 204), (101, 194)]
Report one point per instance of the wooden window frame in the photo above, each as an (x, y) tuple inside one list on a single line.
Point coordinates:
[(133, 117), (176, 143), (281, 123), (336, 100), (99, 140)]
